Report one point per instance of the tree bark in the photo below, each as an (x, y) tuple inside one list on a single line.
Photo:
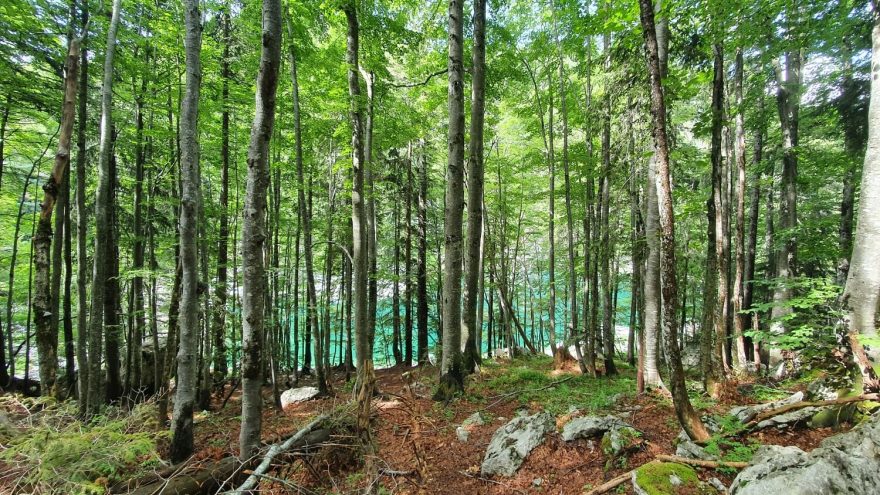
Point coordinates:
[(687, 416), (254, 230)]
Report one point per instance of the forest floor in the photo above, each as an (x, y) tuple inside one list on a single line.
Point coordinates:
[(418, 449)]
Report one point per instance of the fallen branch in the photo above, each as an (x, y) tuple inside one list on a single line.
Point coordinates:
[(703, 463), (251, 482), (801, 405)]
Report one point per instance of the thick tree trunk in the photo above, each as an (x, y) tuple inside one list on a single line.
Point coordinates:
[(688, 418), (739, 320), (863, 281), (473, 259), (254, 231), (853, 121), (46, 312), (451, 366), (608, 311), (652, 298), (788, 108), (718, 211), (190, 199), (102, 255)]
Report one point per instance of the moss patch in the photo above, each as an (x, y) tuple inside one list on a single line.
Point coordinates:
[(657, 479)]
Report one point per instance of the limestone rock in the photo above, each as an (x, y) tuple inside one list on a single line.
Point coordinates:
[(590, 426), (513, 442), (845, 463), (747, 413), (293, 395)]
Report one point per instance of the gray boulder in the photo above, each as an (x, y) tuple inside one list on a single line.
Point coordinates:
[(790, 418), (294, 395), (513, 442), (845, 463), (590, 426)]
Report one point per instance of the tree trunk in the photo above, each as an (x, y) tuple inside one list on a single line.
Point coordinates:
[(102, 255), (360, 241), (82, 335), (688, 418), (739, 243), (853, 121), (451, 366), (219, 322), (608, 311), (254, 231), (422, 261), (473, 259), (408, 317), (863, 281), (719, 201), (190, 199), (46, 312), (788, 108)]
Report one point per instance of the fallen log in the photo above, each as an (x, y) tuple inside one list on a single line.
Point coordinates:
[(816, 403), (251, 482)]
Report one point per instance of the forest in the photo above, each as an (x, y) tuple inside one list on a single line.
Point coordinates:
[(401, 246)]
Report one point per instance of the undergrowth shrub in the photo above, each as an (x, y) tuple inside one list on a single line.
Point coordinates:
[(60, 454)]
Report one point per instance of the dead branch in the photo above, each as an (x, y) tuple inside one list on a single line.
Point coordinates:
[(274, 450), (801, 405)]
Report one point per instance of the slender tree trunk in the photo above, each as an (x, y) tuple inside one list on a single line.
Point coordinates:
[(45, 302), (687, 416), (254, 231), (82, 337), (219, 322), (473, 259), (422, 261), (408, 317), (395, 296), (190, 200), (133, 375), (854, 135), (102, 253)]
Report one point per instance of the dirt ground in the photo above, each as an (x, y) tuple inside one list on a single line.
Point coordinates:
[(419, 452)]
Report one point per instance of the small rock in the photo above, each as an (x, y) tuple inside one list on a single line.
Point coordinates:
[(462, 433), (473, 420), (294, 395), (674, 480), (715, 482), (514, 441), (621, 439), (687, 448), (537, 481)]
